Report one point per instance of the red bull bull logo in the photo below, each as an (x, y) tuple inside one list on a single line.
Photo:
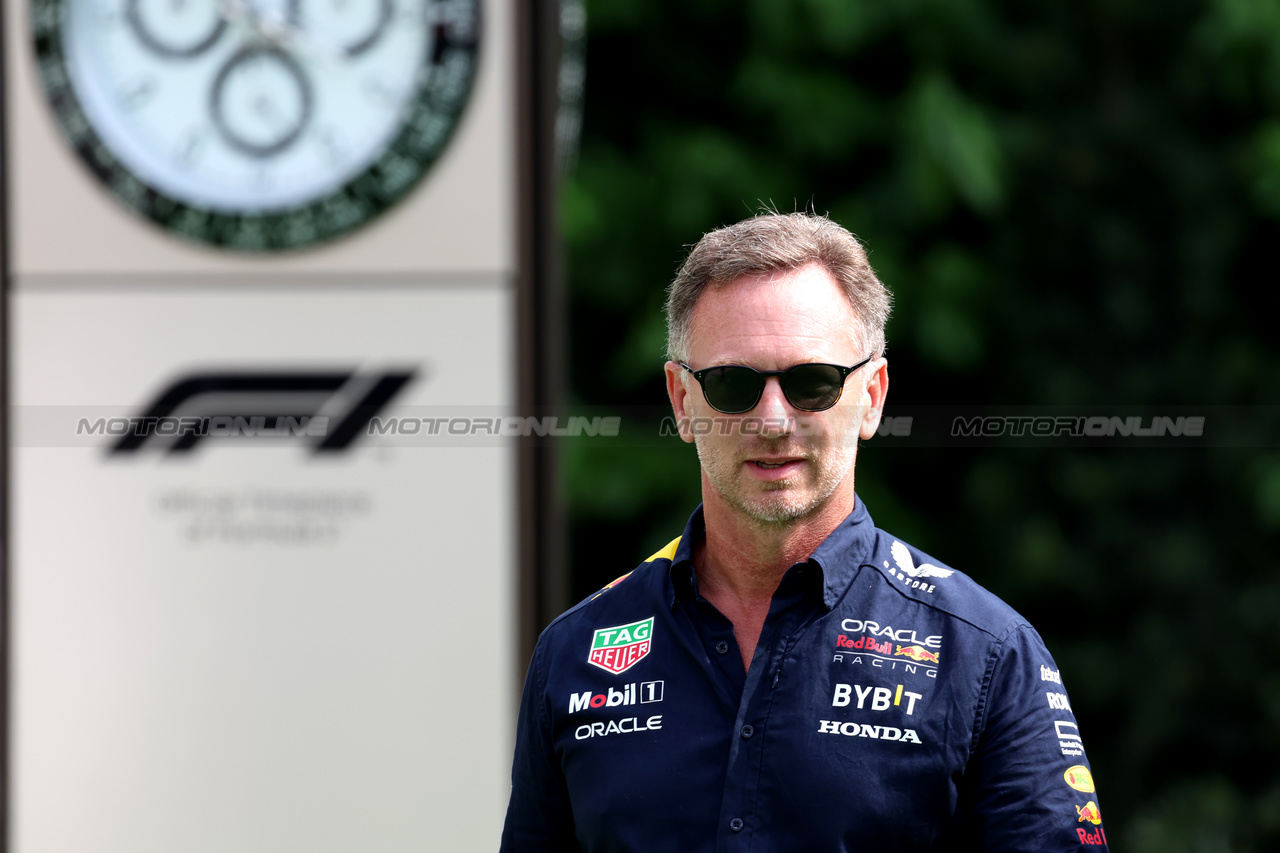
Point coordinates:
[(917, 653), (1089, 811)]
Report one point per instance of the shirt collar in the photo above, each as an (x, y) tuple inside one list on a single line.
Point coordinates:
[(839, 556), (844, 551), (683, 584)]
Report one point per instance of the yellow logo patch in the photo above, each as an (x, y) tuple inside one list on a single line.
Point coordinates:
[(1080, 778)]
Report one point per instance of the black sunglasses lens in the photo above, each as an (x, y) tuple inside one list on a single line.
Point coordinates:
[(732, 390), (813, 387)]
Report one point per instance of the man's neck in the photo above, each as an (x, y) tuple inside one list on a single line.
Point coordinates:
[(744, 558), (740, 561)]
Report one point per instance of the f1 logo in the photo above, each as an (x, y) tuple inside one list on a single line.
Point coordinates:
[(331, 408)]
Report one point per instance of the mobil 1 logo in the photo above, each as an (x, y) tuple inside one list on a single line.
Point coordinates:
[(643, 692)]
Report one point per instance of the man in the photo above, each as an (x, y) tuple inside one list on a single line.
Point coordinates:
[(784, 676)]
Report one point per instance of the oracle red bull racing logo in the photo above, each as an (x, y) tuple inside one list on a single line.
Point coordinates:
[(621, 647), (886, 647)]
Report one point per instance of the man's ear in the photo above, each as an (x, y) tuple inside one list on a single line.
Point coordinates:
[(678, 394), (877, 391)]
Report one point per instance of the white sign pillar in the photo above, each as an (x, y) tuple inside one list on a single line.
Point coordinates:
[(235, 621)]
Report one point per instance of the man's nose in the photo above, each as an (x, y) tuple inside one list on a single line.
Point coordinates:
[(773, 408)]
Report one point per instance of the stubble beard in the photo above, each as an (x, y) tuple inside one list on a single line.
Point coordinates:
[(779, 502)]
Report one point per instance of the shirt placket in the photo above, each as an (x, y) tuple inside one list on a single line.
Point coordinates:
[(742, 810)]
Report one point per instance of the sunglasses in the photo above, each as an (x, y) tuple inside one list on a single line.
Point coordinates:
[(732, 389)]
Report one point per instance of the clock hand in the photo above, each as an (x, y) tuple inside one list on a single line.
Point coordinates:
[(279, 33), (286, 35), (239, 13)]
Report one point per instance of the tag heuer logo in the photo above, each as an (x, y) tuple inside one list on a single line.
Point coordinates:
[(622, 647)]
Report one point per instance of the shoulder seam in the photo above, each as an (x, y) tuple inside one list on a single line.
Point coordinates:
[(590, 598), (1014, 623), (666, 552)]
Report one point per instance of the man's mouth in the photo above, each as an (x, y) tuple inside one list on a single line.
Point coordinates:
[(775, 464)]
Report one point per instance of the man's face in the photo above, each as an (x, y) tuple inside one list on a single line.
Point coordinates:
[(775, 463)]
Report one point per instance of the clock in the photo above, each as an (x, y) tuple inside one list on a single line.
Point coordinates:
[(257, 125)]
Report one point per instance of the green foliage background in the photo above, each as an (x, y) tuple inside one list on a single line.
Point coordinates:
[(1074, 203)]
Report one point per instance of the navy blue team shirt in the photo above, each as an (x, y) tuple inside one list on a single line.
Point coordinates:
[(892, 704)]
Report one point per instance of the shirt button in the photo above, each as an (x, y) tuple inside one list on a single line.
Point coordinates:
[(747, 731), (736, 824), (722, 647)]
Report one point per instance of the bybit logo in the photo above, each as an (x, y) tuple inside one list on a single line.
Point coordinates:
[(879, 696)]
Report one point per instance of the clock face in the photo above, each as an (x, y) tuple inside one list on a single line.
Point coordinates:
[(257, 124)]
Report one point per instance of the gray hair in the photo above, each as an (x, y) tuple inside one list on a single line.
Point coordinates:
[(772, 242)]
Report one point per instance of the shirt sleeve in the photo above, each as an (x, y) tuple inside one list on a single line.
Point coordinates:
[(1028, 785), (539, 816)]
